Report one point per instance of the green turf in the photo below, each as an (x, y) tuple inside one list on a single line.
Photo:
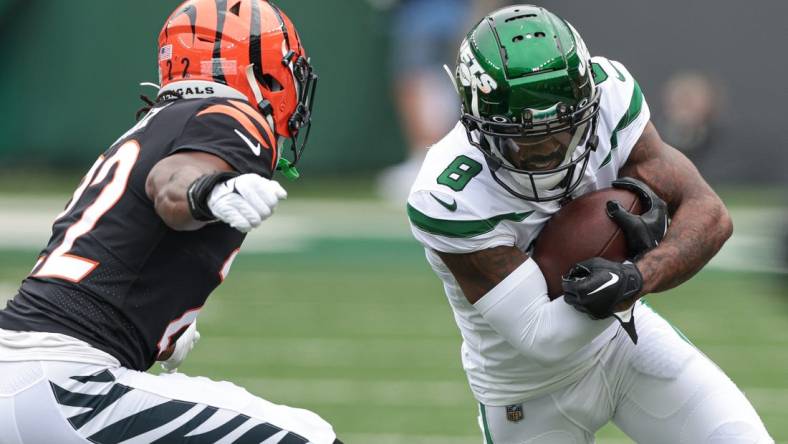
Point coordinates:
[(361, 333), (60, 182)]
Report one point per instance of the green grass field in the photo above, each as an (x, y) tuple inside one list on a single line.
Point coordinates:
[(357, 328), (332, 307)]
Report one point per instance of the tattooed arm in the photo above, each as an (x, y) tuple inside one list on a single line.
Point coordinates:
[(479, 272), (700, 223), (510, 293)]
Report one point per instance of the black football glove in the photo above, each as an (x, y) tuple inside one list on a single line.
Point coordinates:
[(643, 232), (596, 286)]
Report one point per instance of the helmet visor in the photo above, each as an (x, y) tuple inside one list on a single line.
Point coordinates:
[(535, 123), (542, 167), (538, 153)]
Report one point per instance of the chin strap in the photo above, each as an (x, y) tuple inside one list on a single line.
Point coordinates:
[(151, 84), (451, 77)]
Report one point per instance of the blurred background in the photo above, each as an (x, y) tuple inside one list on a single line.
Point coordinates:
[(333, 306)]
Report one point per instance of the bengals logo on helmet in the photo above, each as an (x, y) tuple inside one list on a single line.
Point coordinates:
[(250, 46)]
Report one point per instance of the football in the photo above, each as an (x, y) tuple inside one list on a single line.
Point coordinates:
[(582, 230)]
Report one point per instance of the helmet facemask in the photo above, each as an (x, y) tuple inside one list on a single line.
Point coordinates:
[(509, 161), (300, 122)]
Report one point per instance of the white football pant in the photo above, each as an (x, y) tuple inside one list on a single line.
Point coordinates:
[(661, 391), (51, 402)]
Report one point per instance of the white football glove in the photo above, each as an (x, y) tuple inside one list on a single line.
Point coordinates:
[(244, 202), (183, 346)]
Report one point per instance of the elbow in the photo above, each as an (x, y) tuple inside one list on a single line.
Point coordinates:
[(175, 215), (166, 187), (727, 224), (717, 225), (724, 223)]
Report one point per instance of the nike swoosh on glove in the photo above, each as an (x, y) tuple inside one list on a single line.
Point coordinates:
[(596, 286), (245, 201), (183, 346)]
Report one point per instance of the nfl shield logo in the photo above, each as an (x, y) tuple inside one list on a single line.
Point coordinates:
[(514, 412)]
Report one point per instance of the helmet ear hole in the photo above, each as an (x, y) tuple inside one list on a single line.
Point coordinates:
[(271, 83)]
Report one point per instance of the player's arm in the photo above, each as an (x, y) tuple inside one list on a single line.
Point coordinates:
[(510, 292), (191, 188), (169, 181), (700, 223)]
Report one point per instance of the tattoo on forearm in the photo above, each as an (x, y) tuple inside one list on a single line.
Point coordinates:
[(479, 272), (692, 240), (700, 223)]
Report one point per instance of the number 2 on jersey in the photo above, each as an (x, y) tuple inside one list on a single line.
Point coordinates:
[(457, 175), (59, 263)]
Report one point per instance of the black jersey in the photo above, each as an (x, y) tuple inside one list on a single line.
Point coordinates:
[(113, 274)]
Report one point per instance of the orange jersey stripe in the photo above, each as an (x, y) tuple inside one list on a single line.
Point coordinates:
[(251, 112), (240, 117)]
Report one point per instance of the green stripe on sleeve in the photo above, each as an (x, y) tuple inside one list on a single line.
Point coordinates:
[(598, 72), (607, 159), (487, 435), (460, 228), (635, 106)]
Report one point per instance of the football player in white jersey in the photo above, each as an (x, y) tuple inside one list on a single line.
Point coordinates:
[(544, 122)]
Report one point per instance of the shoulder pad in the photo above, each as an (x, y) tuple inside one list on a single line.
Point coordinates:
[(623, 112), (234, 131)]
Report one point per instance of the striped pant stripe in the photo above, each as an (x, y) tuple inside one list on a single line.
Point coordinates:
[(161, 416)]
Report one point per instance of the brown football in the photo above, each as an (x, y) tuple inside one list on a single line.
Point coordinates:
[(579, 231)]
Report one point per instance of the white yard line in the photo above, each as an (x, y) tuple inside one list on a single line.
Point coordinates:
[(768, 399), (7, 291), (434, 439), (756, 241), (354, 392), (26, 224), (408, 439), (405, 393)]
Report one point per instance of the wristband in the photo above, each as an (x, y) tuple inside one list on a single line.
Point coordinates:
[(198, 192)]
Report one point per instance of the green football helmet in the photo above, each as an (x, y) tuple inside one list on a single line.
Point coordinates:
[(529, 101)]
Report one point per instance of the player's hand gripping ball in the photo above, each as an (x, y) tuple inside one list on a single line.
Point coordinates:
[(582, 230), (245, 201), (600, 287), (642, 231)]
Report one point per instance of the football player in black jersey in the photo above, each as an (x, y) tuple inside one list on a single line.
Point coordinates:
[(149, 233)]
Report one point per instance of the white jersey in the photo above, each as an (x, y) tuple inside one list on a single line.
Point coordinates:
[(476, 213)]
